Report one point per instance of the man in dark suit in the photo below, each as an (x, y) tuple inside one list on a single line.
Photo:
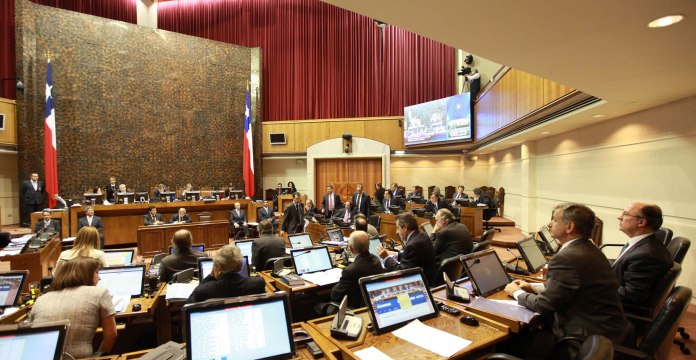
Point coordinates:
[(580, 292), (111, 190), (238, 219), (180, 217), (480, 197), (418, 249), (449, 238), (224, 280), (331, 202), (293, 217), (365, 264), (267, 246), (266, 213), (644, 259), (390, 201), (47, 224), (345, 213), (92, 220), (361, 201), (414, 193), (435, 203), (183, 257), (396, 191), (152, 217), (32, 197)]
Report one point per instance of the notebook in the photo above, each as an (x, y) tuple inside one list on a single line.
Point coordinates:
[(248, 327), (11, 285), (396, 298), (119, 257), (31, 341), (533, 256), (300, 241), (486, 272)]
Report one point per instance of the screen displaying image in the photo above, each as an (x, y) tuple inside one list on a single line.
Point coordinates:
[(399, 300), (10, 286), (300, 241), (442, 120), (311, 260), (122, 281)]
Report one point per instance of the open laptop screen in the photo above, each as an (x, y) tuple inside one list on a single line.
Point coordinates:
[(123, 280), (311, 260), (396, 298), (250, 327), (194, 247), (374, 244), (11, 284), (486, 272), (334, 234), (205, 267), (245, 248), (299, 241), (119, 257), (35, 341), (531, 253)]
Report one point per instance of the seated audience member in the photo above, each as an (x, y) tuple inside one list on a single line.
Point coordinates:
[(361, 224), (361, 201), (365, 264), (86, 244), (459, 195), (310, 211), (580, 294), (480, 197), (267, 246), (224, 280), (414, 192), (187, 188), (449, 238), (152, 217), (238, 219), (645, 260), (331, 202), (92, 220), (435, 203), (47, 224), (436, 190), (160, 189), (181, 217), (122, 189), (266, 213), (389, 201), (345, 213), (395, 191), (183, 257), (417, 248), (74, 296)]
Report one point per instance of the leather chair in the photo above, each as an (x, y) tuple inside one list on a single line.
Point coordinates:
[(205, 216), (678, 248), (449, 191), (646, 314), (488, 214), (594, 347), (664, 234), (484, 242), (375, 221), (501, 201), (268, 265), (452, 266)]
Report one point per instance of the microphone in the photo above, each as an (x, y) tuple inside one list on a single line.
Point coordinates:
[(57, 197), (517, 259), (516, 269)]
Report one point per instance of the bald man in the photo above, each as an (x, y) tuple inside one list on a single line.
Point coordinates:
[(365, 264)]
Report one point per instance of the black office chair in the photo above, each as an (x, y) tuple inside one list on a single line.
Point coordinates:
[(642, 315), (268, 265), (485, 242), (375, 221), (452, 266), (488, 214), (594, 347), (664, 234), (678, 247)]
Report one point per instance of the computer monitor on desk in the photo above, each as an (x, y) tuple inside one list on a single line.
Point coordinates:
[(142, 197), (125, 198), (486, 272), (192, 195), (123, 280), (33, 341), (236, 194), (11, 285), (217, 194), (213, 329), (167, 196), (93, 199), (533, 256), (119, 257)]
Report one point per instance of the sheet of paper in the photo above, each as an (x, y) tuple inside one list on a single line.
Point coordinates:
[(371, 353), (322, 278), (507, 308), (9, 311), (432, 339), (180, 291), (120, 302)]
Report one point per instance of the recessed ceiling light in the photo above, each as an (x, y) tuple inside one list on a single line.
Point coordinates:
[(545, 132), (598, 116), (665, 21), (399, 152), (516, 142)]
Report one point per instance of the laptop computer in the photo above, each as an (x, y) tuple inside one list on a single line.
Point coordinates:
[(311, 260), (205, 267), (394, 299), (532, 255), (335, 235), (552, 245), (245, 247), (247, 327), (123, 280), (33, 340), (119, 257), (486, 272), (11, 285), (194, 247), (299, 241)]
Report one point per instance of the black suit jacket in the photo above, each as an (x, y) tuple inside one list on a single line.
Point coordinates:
[(265, 214), (340, 214), (175, 218), (417, 252), (147, 219), (53, 224), (179, 261), (484, 199), (452, 240), (293, 219), (325, 203), (264, 248), (364, 265), (581, 294), (238, 218), (640, 268), (110, 192), (430, 207), (392, 202), (364, 207), (96, 222), (30, 196), (228, 285), (397, 192)]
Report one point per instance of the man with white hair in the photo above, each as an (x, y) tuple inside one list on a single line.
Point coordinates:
[(365, 264)]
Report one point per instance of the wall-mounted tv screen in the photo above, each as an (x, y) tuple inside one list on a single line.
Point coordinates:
[(442, 120)]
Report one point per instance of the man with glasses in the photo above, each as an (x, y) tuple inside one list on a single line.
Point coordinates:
[(644, 260)]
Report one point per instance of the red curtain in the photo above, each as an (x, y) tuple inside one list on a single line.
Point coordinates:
[(321, 61), (124, 10)]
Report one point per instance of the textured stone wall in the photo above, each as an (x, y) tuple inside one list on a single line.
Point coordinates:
[(144, 105)]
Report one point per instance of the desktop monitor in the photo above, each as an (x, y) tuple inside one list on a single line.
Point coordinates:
[(192, 195), (486, 272), (142, 197), (299, 241), (94, 199), (533, 256), (245, 247), (334, 234), (309, 260), (167, 196), (396, 298), (123, 280), (551, 243), (205, 267), (246, 327), (194, 247), (416, 199), (119, 257), (419, 212), (462, 202), (236, 194), (11, 285), (125, 198), (218, 194), (29, 341)]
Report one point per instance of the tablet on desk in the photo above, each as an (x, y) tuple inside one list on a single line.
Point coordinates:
[(334, 235), (205, 267), (551, 243), (486, 272)]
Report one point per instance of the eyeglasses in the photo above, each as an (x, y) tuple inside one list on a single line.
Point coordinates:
[(623, 214)]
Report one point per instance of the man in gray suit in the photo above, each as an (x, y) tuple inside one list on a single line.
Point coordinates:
[(449, 237), (581, 292)]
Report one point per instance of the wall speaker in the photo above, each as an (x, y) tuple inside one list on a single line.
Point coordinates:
[(347, 143)]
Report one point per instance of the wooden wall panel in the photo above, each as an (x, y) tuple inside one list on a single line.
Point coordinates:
[(554, 90), (290, 139), (8, 136), (344, 175), (355, 128), (311, 134), (530, 93), (386, 131)]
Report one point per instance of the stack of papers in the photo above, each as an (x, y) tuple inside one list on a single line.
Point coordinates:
[(180, 291), (322, 278), (15, 246), (507, 308), (120, 302), (432, 339)]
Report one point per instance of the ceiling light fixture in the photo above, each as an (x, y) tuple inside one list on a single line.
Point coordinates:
[(665, 21), (545, 132), (399, 152), (598, 116)]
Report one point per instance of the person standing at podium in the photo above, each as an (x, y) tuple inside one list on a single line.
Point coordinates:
[(152, 217), (32, 196), (47, 224)]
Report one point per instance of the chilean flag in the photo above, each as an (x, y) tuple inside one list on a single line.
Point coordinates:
[(50, 156), (248, 164)]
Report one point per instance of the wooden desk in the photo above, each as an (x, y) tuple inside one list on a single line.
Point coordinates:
[(63, 216), (121, 221), (483, 337), (156, 239), (388, 224), (38, 261), (473, 219), (302, 297), (16, 317), (283, 201)]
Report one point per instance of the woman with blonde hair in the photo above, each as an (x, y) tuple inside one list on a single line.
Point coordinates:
[(74, 296), (86, 244)]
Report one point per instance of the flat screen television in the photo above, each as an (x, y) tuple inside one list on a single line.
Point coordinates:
[(438, 121)]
